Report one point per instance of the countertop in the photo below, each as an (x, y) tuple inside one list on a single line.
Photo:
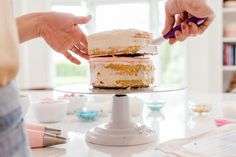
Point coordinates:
[(175, 120)]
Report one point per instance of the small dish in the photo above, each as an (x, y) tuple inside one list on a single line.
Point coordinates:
[(200, 108), (87, 115), (49, 111), (155, 105), (75, 102)]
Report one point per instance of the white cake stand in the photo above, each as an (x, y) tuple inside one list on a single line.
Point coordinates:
[(121, 130)]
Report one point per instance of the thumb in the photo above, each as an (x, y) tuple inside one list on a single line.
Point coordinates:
[(169, 23), (82, 19)]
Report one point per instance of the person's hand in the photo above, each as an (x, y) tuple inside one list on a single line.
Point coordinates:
[(62, 33), (175, 11)]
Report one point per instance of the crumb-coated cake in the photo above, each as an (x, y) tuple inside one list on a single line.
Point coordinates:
[(121, 72), (114, 61), (118, 42)]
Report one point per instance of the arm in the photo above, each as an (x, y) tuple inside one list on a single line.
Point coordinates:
[(59, 30), (198, 8), (29, 26)]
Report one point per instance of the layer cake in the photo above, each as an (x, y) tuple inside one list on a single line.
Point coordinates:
[(121, 72), (114, 61)]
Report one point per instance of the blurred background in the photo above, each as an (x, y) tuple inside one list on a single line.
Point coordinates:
[(200, 63)]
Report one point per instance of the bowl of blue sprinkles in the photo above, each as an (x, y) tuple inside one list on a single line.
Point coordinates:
[(87, 115), (155, 106)]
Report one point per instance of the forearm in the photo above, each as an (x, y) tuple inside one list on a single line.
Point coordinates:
[(29, 26)]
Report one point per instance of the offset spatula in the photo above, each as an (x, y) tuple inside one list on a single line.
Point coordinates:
[(170, 34)]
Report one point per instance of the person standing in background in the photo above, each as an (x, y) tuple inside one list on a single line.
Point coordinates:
[(62, 33)]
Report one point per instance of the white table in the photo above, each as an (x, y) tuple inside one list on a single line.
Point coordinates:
[(174, 121)]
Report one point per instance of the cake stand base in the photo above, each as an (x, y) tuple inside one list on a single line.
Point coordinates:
[(121, 131)]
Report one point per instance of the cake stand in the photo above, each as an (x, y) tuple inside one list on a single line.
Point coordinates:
[(121, 130)]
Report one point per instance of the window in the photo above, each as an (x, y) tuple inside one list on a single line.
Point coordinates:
[(111, 17), (110, 14), (172, 58), (66, 72)]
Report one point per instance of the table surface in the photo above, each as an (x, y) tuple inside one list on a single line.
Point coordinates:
[(175, 120)]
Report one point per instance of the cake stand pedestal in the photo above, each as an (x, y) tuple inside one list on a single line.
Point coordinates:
[(120, 131)]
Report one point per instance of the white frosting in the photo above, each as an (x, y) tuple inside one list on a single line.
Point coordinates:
[(110, 76), (118, 39)]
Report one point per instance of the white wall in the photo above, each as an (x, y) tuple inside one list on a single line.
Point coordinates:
[(204, 54)]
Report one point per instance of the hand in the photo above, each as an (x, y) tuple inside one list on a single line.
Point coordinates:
[(62, 33), (197, 8)]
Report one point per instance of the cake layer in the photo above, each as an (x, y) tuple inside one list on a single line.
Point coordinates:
[(118, 42), (121, 72)]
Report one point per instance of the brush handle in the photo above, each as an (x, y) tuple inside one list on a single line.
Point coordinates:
[(197, 21)]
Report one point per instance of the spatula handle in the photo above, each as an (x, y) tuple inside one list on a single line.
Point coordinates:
[(197, 21)]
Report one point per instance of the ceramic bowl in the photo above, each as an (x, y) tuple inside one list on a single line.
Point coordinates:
[(49, 111), (75, 102), (87, 115), (155, 105), (200, 108)]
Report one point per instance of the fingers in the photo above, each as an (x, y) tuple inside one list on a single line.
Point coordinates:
[(71, 58), (82, 19), (82, 37), (169, 23), (193, 29), (79, 52), (206, 24), (172, 41), (189, 30), (82, 47), (78, 44), (185, 29), (181, 35), (202, 10)]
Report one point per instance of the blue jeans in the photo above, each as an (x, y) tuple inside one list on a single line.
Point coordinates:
[(13, 141)]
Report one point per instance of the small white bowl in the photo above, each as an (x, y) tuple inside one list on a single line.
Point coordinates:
[(49, 111), (75, 102)]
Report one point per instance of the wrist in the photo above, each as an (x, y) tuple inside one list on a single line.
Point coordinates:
[(41, 24), (29, 26)]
